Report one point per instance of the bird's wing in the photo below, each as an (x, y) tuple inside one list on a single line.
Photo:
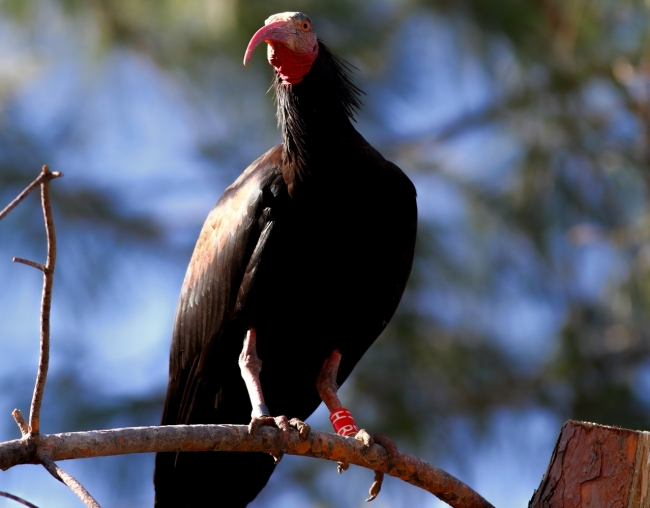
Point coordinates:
[(217, 282)]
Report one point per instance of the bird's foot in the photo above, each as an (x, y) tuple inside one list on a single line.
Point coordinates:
[(279, 422), (388, 444), (283, 425), (375, 488), (303, 428), (391, 451), (365, 438)]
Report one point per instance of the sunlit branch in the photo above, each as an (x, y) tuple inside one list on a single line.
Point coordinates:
[(31, 431), (20, 421), (178, 438), (27, 262), (46, 301), (67, 479), (46, 174)]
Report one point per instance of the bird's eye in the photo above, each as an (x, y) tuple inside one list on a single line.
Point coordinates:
[(305, 26)]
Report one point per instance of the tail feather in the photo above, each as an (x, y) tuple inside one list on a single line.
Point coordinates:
[(203, 479)]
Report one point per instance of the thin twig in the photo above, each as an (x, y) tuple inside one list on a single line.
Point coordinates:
[(20, 420), (31, 431), (46, 174), (17, 499), (67, 479), (194, 438), (46, 301), (27, 262)]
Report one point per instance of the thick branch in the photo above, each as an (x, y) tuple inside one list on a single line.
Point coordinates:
[(175, 438)]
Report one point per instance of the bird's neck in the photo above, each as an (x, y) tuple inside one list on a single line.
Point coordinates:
[(315, 117)]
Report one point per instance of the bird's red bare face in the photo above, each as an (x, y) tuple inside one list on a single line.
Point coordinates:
[(293, 46)]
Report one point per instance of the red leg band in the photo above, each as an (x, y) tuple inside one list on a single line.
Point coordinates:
[(343, 423)]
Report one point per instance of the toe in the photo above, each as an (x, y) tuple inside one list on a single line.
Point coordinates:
[(365, 438), (259, 421), (388, 444), (375, 488), (303, 428)]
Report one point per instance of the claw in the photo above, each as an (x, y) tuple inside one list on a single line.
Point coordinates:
[(388, 444), (303, 428), (375, 488), (342, 466), (279, 422), (391, 451), (365, 438)]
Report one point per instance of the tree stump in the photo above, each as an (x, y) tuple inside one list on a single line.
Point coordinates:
[(596, 466)]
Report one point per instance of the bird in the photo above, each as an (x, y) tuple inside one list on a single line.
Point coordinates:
[(297, 270)]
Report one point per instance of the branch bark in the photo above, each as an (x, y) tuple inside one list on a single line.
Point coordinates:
[(596, 465), (179, 438)]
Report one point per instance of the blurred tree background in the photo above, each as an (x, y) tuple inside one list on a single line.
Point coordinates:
[(525, 127)]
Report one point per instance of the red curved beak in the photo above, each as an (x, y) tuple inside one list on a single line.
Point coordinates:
[(276, 31)]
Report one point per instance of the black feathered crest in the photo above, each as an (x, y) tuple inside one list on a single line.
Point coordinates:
[(310, 111)]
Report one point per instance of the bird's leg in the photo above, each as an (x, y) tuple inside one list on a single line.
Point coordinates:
[(343, 422), (250, 366), (340, 417)]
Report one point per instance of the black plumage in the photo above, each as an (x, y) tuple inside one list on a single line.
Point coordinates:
[(312, 246)]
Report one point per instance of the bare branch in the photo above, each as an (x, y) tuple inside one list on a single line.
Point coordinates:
[(27, 262), (20, 420), (48, 275), (67, 479), (178, 438), (45, 175), (17, 499), (46, 301)]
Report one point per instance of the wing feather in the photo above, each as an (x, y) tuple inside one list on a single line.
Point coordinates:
[(212, 289)]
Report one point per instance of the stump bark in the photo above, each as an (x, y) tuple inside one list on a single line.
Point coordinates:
[(596, 466)]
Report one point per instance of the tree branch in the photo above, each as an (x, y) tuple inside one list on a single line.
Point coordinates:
[(178, 438), (20, 421), (31, 431), (27, 262), (17, 499), (67, 479), (46, 301), (46, 174), (48, 278)]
